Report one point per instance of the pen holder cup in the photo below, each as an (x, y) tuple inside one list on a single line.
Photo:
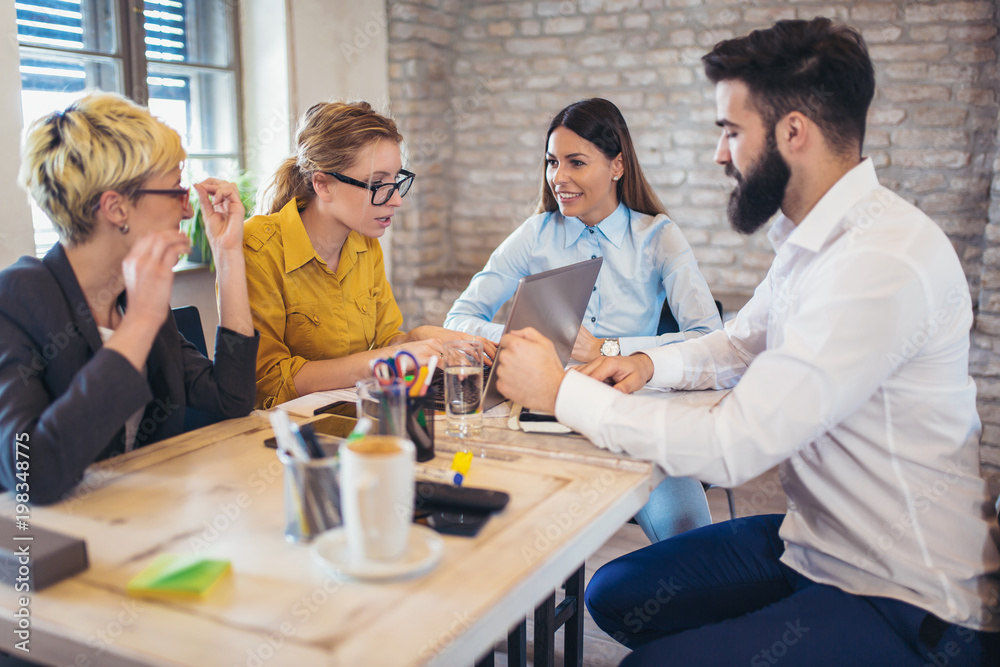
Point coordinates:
[(312, 494), (420, 424), (394, 412)]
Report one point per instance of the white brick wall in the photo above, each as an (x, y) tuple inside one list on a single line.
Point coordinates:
[(504, 68)]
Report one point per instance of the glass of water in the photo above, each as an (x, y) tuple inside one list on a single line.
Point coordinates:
[(463, 387)]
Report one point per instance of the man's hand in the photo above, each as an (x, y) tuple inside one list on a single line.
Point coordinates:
[(530, 374), (628, 373)]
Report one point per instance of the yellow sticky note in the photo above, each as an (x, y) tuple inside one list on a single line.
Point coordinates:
[(178, 576)]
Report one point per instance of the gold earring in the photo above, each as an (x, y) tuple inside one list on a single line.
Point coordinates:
[(124, 228)]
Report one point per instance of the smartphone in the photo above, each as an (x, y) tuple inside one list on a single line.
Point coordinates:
[(339, 423)]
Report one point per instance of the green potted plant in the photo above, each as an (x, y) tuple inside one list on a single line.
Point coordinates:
[(194, 227)]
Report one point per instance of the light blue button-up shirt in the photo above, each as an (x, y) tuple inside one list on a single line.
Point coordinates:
[(646, 260)]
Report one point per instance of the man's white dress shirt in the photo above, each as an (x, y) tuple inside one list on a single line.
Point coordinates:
[(852, 367)]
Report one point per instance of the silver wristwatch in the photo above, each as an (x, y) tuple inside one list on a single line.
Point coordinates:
[(611, 348)]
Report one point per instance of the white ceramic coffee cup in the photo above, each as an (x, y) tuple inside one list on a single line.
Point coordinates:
[(376, 491)]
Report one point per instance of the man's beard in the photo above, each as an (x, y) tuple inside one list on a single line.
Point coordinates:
[(759, 192)]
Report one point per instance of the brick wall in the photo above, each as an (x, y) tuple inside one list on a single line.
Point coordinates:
[(488, 76)]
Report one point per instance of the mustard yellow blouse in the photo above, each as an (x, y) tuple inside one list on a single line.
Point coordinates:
[(303, 310)]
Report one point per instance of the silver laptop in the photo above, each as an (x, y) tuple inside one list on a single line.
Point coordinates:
[(553, 302)]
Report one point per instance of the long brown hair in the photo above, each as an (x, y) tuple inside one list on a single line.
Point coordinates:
[(601, 123), (329, 138)]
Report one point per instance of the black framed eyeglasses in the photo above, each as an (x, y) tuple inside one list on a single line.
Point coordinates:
[(382, 192), (182, 192)]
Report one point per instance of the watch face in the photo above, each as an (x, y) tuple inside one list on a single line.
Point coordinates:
[(611, 348)]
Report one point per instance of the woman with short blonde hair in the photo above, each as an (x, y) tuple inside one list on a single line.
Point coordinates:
[(91, 362)]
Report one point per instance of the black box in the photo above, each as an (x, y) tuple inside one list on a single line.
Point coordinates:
[(51, 556)]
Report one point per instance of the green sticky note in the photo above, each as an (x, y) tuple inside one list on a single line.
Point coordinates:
[(175, 575)]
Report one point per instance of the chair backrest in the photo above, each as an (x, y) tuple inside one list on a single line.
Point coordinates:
[(668, 323), (189, 324)]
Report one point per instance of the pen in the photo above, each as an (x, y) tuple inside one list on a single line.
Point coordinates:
[(308, 436), (438, 474), (431, 367), (294, 445)]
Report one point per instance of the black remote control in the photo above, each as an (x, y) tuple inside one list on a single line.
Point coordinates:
[(438, 495)]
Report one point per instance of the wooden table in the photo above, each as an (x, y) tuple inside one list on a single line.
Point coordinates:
[(218, 492)]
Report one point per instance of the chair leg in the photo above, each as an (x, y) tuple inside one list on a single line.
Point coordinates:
[(732, 503), (517, 645)]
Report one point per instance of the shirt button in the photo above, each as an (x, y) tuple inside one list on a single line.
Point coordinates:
[(593, 256), (595, 288), (590, 229), (593, 319)]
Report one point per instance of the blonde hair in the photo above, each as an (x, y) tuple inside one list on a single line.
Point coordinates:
[(99, 143), (329, 138)]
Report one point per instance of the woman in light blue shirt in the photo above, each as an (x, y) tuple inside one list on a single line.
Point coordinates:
[(596, 202)]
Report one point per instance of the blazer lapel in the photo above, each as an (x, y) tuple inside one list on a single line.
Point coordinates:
[(58, 264)]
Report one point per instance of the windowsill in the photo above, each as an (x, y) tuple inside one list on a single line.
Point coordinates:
[(185, 266)]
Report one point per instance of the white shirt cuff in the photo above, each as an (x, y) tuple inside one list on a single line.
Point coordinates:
[(582, 403), (668, 366)]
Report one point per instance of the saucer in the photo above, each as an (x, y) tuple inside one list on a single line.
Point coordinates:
[(423, 551)]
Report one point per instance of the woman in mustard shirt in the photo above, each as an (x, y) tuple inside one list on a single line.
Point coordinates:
[(315, 270)]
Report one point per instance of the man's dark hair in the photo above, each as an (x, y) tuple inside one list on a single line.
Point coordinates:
[(814, 67)]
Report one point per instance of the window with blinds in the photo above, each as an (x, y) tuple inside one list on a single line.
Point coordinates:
[(179, 57)]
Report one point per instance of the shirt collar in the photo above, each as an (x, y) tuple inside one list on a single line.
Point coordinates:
[(299, 249), (828, 213), (612, 227)]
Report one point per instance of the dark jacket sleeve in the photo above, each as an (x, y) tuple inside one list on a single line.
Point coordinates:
[(226, 387), (62, 434)]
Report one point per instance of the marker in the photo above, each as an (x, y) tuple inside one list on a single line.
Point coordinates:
[(360, 429), (438, 475), (462, 462), (416, 389)]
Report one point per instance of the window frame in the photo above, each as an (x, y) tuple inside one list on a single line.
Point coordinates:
[(130, 54)]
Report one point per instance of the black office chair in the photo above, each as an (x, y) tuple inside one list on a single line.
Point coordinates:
[(668, 324), (188, 321)]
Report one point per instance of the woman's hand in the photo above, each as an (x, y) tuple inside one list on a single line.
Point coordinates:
[(423, 350), (224, 214), (149, 276), (439, 333), (586, 348)]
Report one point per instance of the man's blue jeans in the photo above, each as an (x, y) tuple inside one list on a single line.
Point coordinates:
[(718, 595)]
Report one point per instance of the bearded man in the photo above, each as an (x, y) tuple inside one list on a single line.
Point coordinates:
[(848, 369)]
